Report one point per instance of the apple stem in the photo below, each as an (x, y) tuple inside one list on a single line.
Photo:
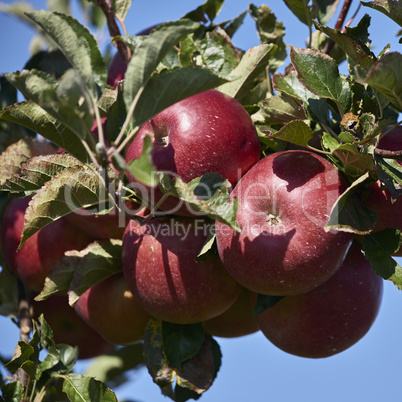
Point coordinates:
[(154, 209)]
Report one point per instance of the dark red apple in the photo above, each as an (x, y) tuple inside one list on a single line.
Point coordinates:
[(285, 201), (392, 141), (332, 317), (237, 320), (69, 328), (34, 260), (379, 198), (207, 132), (161, 271), (110, 308)]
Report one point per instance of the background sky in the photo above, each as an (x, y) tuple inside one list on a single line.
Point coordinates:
[(252, 368)]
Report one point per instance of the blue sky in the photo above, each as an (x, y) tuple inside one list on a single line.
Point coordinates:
[(253, 369)]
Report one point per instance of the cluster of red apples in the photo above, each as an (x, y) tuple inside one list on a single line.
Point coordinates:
[(330, 294)]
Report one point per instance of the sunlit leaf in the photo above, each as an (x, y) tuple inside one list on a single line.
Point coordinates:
[(78, 46), (270, 31), (320, 74), (253, 63), (71, 189), (149, 53), (94, 263), (34, 117), (86, 389), (36, 171), (386, 76), (121, 7), (391, 8)]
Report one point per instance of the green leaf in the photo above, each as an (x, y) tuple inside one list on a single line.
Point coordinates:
[(13, 391), (279, 110), (301, 10), (297, 132), (210, 9), (253, 64), (112, 368), (347, 157), (71, 189), (386, 76), (263, 302), (320, 74), (389, 172), (96, 262), (121, 7), (270, 31), (208, 194), (349, 214), (78, 46), (326, 10), (22, 353), (218, 52), (63, 100), (231, 26), (34, 117), (360, 54), (181, 342), (170, 87), (209, 249), (149, 54), (17, 153), (86, 389), (9, 304), (143, 168), (36, 171), (378, 249), (392, 9), (316, 107)]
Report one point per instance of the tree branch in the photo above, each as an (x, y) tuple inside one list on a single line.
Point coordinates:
[(339, 25), (25, 325), (388, 154), (114, 30)]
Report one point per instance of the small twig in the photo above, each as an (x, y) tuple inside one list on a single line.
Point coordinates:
[(114, 30), (25, 326), (339, 25), (388, 154)]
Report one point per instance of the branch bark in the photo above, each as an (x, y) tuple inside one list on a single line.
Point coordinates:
[(339, 25), (114, 30)]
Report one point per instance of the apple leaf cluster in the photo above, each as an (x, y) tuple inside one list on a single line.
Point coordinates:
[(67, 146)]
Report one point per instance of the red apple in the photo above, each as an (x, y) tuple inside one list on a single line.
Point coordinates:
[(34, 260), (161, 271), (392, 141), (330, 318), (68, 328), (110, 308), (207, 132), (237, 320), (285, 201)]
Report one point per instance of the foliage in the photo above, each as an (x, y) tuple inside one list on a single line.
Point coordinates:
[(312, 106)]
